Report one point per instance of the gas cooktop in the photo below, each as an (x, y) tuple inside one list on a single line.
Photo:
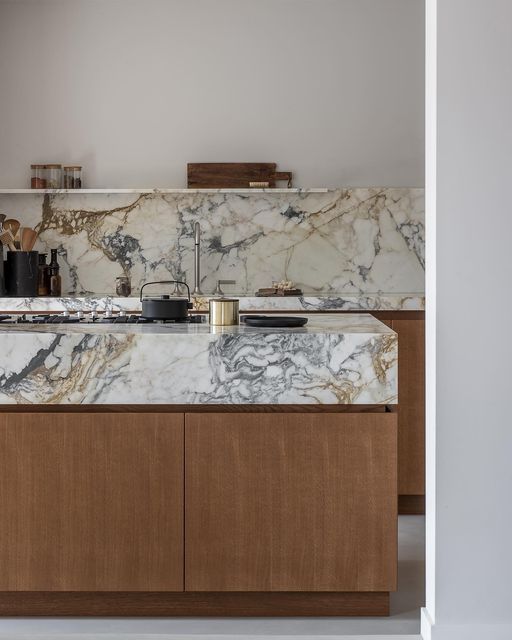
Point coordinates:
[(93, 317)]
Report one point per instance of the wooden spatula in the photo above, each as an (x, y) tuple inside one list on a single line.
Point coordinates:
[(28, 238)]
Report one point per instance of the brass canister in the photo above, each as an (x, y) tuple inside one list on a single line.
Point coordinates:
[(223, 311)]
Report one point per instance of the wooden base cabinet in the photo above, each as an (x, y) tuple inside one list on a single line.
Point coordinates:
[(223, 512), (411, 408), (91, 502), (290, 502)]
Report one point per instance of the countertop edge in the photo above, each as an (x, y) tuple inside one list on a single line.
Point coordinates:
[(309, 302)]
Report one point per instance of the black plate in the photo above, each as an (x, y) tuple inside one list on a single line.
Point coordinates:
[(274, 321)]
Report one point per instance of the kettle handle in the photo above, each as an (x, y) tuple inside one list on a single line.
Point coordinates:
[(166, 282)]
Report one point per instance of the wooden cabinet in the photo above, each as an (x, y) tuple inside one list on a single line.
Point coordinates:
[(91, 502), (220, 513), (411, 408), (290, 502)]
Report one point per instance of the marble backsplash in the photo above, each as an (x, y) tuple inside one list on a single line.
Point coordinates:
[(350, 241)]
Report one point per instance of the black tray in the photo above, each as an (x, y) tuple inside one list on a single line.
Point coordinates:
[(274, 321)]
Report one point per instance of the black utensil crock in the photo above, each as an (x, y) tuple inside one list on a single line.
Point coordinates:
[(21, 274)]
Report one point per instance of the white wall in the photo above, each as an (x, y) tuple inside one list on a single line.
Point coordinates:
[(473, 465), (133, 89)]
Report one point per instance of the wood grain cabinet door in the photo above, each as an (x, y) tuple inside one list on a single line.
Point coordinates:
[(411, 406), (290, 502), (91, 502)]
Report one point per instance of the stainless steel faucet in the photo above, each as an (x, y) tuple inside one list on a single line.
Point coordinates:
[(197, 260)]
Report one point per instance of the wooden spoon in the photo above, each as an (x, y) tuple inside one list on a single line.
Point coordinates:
[(28, 238), (11, 225), (7, 239), (2, 218)]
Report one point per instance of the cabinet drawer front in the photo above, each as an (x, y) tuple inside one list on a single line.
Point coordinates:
[(290, 502), (91, 502)]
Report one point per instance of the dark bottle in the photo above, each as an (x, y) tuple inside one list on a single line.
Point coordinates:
[(53, 260), (43, 276), (55, 279)]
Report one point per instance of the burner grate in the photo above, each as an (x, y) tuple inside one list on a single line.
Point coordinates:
[(95, 318)]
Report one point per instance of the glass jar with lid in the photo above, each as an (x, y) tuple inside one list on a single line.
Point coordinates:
[(53, 176), (72, 177), (123, 286), (38, 176)]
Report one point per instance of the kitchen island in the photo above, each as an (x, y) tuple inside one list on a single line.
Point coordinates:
[(334, 359), (192, 470)]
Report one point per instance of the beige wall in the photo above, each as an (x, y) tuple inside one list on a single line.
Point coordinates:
[(133, 89)]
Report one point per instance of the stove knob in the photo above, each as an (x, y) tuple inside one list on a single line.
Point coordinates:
[(79, 314), (93, 315), (65, 314), (108, 312), (122, 314)]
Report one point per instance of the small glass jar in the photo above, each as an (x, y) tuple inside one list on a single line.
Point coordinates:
[(73, 177), (53, 176), (38, 176), (123, 286)]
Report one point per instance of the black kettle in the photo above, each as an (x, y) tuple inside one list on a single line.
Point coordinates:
[(165, 307)]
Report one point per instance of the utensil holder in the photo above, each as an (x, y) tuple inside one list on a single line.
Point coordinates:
[(21, 269)]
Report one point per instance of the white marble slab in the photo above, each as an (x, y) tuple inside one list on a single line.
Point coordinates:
[(345, 242), (334, 359), (375, 302)]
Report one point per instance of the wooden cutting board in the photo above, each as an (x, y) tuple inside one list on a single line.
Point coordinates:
[(229, 175)]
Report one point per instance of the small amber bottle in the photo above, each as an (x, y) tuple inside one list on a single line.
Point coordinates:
[(55, 282), (55, 278), (43, 276)]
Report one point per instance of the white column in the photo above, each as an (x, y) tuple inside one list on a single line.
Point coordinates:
[(469, 323)]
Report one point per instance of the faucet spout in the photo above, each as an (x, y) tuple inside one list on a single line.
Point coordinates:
[(197, 260)]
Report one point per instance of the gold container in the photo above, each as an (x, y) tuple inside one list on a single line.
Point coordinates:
[(223, 312)]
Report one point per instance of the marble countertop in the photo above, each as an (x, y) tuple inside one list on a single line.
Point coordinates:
[(334, 359), (307, 302), (325, 325)]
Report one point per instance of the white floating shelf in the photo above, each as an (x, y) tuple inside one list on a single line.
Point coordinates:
[(156, 191)]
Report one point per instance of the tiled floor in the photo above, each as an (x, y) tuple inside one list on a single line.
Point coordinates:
[(403, 622)]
